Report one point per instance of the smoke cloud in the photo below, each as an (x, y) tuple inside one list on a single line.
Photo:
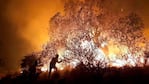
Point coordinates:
[(23, 29)]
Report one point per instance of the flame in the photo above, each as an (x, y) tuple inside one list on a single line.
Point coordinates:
[(44, 68), (60, 66), (113, 41)]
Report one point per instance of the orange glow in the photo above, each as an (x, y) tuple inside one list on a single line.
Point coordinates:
[(114, 42), (146, 33), (32, 18)]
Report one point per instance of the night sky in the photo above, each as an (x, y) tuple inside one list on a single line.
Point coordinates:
[(24, 25)]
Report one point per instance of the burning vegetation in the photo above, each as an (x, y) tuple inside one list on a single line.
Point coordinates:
[(88, 33)]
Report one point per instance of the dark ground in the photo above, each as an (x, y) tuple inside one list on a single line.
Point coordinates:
[(83, 75)]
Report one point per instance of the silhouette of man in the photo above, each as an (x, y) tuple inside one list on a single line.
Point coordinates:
[(53, 63), (32, 70)]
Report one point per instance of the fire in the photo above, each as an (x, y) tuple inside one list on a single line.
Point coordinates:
[(44, 69), (60, 66), (91, 35), (118, 63)]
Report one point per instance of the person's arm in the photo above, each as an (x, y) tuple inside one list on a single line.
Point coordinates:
[(59, 61)]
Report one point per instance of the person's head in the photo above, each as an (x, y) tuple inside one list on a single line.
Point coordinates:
[(57, 55)]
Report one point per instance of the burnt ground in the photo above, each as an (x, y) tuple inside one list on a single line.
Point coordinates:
[(83, 75)]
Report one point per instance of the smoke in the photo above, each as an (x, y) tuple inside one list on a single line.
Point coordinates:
[(138, 6), (23, 28)]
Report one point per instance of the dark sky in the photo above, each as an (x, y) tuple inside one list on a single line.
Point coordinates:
[(24, 23)]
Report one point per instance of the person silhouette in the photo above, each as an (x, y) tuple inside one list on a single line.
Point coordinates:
[(32, 70), (53, 64)]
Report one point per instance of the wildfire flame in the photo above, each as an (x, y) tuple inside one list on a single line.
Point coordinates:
[(91, 35)]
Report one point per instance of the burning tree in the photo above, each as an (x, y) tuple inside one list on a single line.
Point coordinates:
[(88, 33)]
